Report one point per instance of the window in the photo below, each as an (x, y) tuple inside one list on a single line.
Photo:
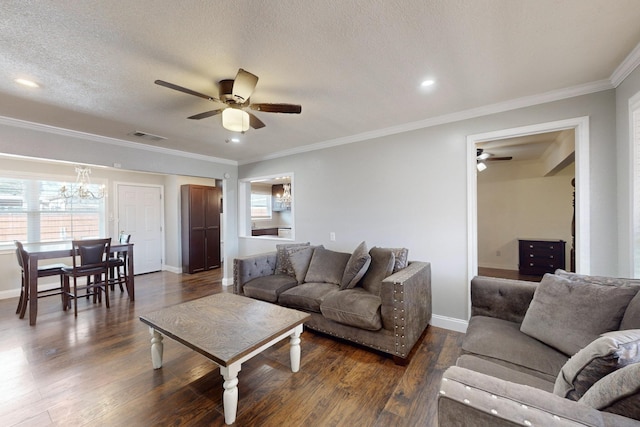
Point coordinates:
[(260, 205), (32, 210), (634, 121)]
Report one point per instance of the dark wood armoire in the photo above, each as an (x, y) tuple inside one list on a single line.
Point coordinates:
[(200, 228)]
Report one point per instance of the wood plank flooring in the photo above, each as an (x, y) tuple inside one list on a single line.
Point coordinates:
[(96, 370)]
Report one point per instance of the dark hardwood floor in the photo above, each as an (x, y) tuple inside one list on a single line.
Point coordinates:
[(96, 370)]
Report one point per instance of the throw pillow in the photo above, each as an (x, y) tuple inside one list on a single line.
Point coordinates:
[(327, 266), (299, 260), (282, 258), (382, 262), (606, 354), (631, 319), (568, 315), (618, 393), (356, 267), (402, 258)]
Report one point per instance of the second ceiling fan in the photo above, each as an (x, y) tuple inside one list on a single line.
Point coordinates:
[(235, 94)]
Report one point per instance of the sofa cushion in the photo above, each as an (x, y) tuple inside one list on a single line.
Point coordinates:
[(282, 257), (268, 288), (496, 370), (569, 314), (353, 307), (327, 266), (356, 267), (618, 393), (381, 267), (502, 342), (631, 319), (299, 260), (307, 296), (604, 355)]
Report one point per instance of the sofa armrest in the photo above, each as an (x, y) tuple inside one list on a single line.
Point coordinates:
[(468, 398), (252, 266), (505, 299), (406, 304)]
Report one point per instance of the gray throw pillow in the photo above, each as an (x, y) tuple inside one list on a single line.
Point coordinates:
[(356, 267), (282, 257), (382, 262), (606, 354), (327, 266), (299, 260), (618, 393), (568, 315), (631, 319), (402, 258)]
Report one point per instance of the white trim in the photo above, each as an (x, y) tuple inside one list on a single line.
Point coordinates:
[(227, 281), (583, 192), (39, 127), (499, 107), (626, 67), (172, 269), (450, 323)]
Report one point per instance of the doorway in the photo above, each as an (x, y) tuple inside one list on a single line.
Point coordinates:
[(580, 126)]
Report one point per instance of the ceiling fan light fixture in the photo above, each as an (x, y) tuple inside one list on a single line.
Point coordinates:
[(481, 166), (235, 120)]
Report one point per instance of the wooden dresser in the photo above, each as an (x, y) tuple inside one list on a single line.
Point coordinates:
[(540, 256)]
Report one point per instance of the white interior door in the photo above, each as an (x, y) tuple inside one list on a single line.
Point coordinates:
[(139, 214)]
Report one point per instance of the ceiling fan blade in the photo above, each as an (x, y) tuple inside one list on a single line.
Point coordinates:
[(255, 122), (205, 114), (493, 159), (244, 85), (278, 108), (185, 90)]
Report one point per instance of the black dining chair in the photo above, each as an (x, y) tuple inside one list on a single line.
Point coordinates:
[(118, 264), (91, 261), (43, 271)]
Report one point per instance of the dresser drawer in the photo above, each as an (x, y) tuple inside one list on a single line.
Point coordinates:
[(537, 257)]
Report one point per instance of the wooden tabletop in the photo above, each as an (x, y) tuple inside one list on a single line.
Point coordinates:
[(224, 327)]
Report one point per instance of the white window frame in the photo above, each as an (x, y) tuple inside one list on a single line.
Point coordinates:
[(33, 214), (634, 143)]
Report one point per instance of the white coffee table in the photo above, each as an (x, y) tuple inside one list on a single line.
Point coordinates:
[(229, 330)]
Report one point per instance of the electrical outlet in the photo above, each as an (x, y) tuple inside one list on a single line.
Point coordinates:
[(332, 236)]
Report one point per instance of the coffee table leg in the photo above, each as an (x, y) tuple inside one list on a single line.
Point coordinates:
[(294, 349), (156, 348), (230, 395)]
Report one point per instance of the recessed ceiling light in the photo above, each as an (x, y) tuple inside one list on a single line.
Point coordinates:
[(25, 82), (427, 83), (235, 139)]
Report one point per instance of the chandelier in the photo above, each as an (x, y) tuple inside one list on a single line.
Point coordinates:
[(284, 200), (82, 189)]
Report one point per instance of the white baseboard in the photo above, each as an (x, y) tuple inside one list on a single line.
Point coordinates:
[(46, 283), (227, 281), (450, 323), (171, 269)]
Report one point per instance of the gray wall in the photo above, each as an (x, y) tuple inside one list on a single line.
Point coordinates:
[(410, 189)]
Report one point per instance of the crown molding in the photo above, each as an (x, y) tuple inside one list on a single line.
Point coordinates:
[(630, 63), (39, 127), (472, 113)]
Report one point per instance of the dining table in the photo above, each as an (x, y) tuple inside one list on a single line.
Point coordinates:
[(40, 251)]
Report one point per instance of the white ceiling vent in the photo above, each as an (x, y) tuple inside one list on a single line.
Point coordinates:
[(147, 136)]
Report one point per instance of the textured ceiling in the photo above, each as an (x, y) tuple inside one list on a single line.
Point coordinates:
[(355, 66)]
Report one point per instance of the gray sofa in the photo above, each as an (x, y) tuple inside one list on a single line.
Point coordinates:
[(565, 351), (375, 298)]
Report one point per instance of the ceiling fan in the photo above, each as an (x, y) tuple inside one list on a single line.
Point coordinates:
[(235, 94), (483, 156)]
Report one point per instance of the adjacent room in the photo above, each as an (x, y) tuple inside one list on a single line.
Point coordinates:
[(361, 213)]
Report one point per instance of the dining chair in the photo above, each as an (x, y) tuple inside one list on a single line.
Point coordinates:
[(91, 261), (118, 264), (43, 271)]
